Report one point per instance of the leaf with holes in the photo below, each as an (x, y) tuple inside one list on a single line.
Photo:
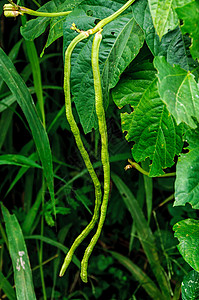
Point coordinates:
[(173, 44), (164, 15), (190, 16), (179, 90), (150, 125), (187, 173)]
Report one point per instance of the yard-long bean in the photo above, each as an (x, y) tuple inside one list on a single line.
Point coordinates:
[(84, 153), (104, 151)]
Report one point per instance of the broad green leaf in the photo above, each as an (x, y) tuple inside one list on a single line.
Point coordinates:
[(150, 125), (190, 16), (187, 232), (7, 287), (187, 173), (179, 90), (35, 27), (19, 256), (18, 160), (24, 99), (190, 286), (172, 45), (122, 40), (144, 233), (164, 15), (145, 281)]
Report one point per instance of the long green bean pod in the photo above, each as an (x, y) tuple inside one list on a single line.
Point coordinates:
[(84, 153), (104, 151)]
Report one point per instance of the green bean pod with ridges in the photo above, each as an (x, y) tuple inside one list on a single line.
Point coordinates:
[(104, 151), (84, 153)]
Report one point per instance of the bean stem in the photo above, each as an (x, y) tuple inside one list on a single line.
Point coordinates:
[(110, 18), (104, 151), (42, 13), (84, 153)]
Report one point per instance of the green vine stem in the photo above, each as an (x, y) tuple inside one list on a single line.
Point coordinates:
[(104, 151), (85, 156), (110, 18), (137, 167), (13, 10)]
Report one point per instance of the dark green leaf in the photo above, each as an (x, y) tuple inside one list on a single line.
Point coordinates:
[(187, 232), (187, 173), (172, 44), (190, 286), (19, 256), (150, 125), (122, 40), (190, 16), (179, 90)]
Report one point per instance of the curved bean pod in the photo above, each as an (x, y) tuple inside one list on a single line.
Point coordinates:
[(104, 151), (84, 153)]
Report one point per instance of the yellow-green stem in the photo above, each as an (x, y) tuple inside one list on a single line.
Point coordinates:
[(31, 12), (110, 18), (137, 167)]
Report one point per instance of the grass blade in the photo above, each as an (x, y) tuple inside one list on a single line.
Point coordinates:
[(139, 275), (6, 287), (145, 234), (148, 184), (55, 244), (19, 256), (18, 160), (36, 72), (24, 99)]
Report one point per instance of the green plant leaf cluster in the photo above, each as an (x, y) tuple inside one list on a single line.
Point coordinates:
[(35, 27), (148, 63)]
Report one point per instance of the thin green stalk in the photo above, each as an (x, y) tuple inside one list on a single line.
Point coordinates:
[(110, 18), (104, 151), (41, 13), (137, 167), (84, 153), (14, 10)]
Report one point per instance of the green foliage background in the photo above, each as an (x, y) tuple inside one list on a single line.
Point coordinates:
[(149, 71)]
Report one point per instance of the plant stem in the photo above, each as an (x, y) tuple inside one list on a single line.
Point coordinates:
[(137, 167), (104, 152), (31, 12), (84, 153), (112, 17)]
